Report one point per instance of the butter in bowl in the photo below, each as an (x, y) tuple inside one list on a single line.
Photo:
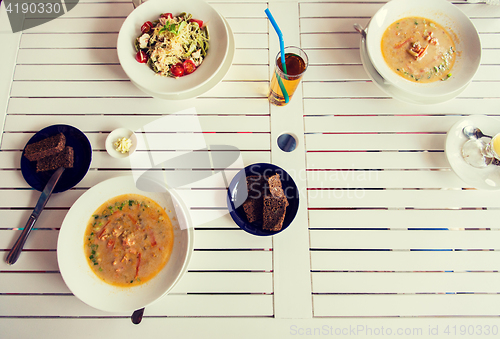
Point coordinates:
[(121, 143)]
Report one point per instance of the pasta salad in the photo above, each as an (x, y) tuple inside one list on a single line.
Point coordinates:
[(173, 45)]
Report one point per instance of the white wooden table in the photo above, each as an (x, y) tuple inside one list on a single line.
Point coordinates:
[(387, 240)]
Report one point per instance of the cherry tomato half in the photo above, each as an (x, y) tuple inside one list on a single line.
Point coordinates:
[(141, 57), (167, 15), (199, 22), (146, 27), (177, 70), (189, 67)]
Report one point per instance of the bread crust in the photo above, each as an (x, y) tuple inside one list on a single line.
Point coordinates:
[(46, 147), (254, 203), (266, 201), (275, 204), (274, 212), (62, 159)]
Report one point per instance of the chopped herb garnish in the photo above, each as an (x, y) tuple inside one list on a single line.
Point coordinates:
[(172, 28)]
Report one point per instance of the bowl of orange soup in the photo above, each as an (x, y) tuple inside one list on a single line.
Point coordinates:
[(120, 249), (428, 48)]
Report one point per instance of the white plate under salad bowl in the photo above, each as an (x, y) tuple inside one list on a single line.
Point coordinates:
[(74, 266), (487, 178), (226, 65), (448, 15), (143, 76)]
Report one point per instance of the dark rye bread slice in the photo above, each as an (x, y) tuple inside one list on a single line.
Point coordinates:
[(254, 202), (275, 204), (62, 159), (46, 147), (274, 212), (275, 187)]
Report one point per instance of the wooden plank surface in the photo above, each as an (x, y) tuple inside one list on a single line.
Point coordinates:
[(405, 261), (126, 106), (406, 305), (395, 240), (75, 57), (362, 149), (171, 305), (403, 219), (405, 283)]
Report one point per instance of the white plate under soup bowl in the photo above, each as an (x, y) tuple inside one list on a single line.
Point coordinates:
[(151, 10), (74, 265), (461, 29)]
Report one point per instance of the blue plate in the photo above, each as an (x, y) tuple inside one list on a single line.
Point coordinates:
[(237, 194), (71, 176)]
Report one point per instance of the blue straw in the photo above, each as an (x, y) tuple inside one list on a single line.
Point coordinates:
[(282, 48), (280, 36)]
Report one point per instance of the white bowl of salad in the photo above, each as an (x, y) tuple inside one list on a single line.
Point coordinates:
[(172, 48)]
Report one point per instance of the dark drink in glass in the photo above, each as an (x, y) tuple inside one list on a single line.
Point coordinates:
[(296, 62)]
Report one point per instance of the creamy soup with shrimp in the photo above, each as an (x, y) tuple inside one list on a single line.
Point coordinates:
[(128, 240), (419, 50)]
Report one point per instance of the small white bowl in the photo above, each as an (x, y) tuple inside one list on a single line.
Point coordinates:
[(487, 178), (115, 135), (446, 14)]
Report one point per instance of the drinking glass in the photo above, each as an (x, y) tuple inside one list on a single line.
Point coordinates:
[(296, 62), (479, 154)]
